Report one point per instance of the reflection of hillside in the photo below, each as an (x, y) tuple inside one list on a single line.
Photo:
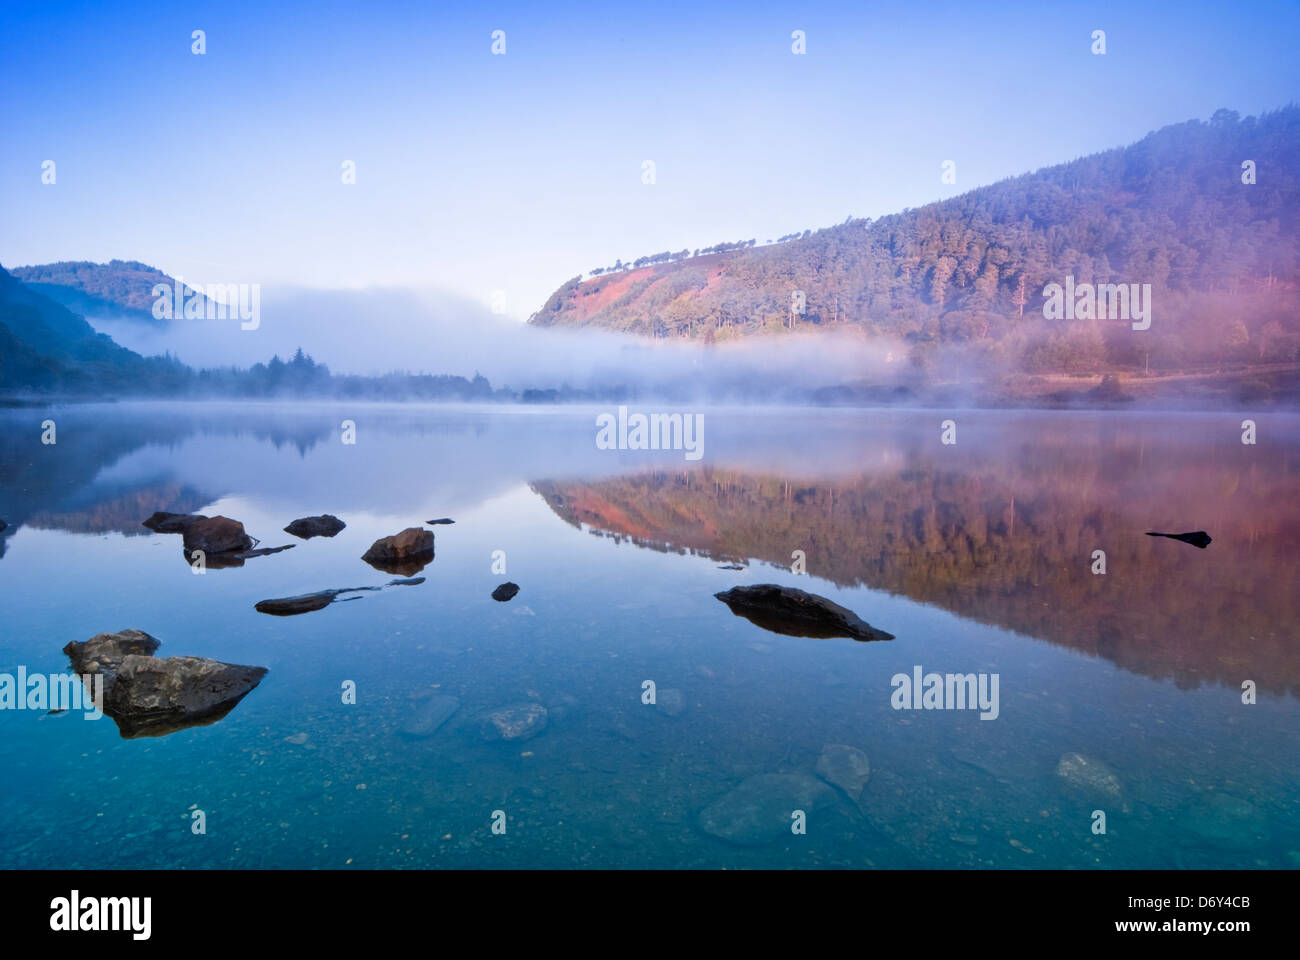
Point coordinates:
[(58, 486), (1008, 542), (122, 513)]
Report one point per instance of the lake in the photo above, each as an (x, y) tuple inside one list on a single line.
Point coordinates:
[(1119, 693)]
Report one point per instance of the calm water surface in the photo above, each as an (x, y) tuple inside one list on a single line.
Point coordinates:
[(977, 557)]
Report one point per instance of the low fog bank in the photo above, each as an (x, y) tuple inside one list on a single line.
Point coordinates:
[(379, 331)]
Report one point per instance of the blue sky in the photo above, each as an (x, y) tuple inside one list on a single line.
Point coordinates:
[(478, 173)]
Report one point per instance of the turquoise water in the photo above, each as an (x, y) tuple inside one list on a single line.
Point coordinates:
[(976, 557)]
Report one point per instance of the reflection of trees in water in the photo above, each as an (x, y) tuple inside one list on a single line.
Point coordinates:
[(1009, 543), (54, 486)]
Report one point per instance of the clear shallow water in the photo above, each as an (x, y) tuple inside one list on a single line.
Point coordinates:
[(976, 556)]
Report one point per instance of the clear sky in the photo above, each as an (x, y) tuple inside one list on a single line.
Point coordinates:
[(478, 172)]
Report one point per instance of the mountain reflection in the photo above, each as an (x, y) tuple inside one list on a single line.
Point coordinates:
[(1009, 541)]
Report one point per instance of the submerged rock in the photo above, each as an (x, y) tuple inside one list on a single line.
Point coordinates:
[(403, 553), (326, 525), (1222, 820), (671, 702), (439, 521), (505, 592), (759, 810), (153, 696), (1089, 777), (428, 715), (516, 721), (844, 767), (1198, 538), (796, 613)]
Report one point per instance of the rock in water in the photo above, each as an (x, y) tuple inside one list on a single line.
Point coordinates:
[(671, 702), (163, 522), (104, 652), (759, 810), (1089, 776), (292, 606), (326, 525), (797, 614), (440, 520), (403, 553), (157, 695), (429, 714), (505, 592), (844, 767), (152, 696), (1225, 821), (517, 721), (1198, 538), (216, 535)]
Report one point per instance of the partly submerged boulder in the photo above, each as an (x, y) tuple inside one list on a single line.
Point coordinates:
[(403, 553), (104, 652), (217, 535), (440, 520), (152, 696), (505, 592), (326, 525), (797, 613)]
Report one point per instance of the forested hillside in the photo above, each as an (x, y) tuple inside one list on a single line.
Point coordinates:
[(1171, 211)]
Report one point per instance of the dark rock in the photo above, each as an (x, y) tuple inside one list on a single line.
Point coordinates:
[(162, 522), (292, 606), (152, 696), (326, 525), (216, 535), (759, 810), (731, 566), (517, 721), (429, 714), (795, 613), (3, 525), (408, 582), (1198, 538), (505, 592), (104, 652), (403, 553), (440, 520)]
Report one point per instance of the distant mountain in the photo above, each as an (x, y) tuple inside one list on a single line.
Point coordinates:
[(46, 347), (117, 290), (1172, 211)]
